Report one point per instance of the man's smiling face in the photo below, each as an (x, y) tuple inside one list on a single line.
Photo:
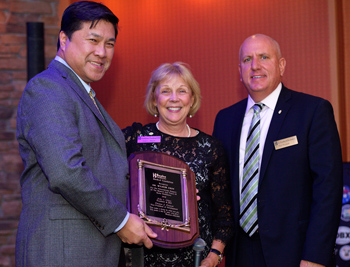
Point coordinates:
[(89, 52), (261, 66)]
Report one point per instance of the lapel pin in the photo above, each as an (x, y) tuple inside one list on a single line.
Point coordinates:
[(280, 111)]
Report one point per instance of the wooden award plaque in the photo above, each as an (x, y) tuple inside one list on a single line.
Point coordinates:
[(163, 194)]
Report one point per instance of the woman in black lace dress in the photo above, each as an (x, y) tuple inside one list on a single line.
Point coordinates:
[(173, 95)]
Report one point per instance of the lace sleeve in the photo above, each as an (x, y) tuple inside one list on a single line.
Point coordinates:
[(221, 196), (130, 134)]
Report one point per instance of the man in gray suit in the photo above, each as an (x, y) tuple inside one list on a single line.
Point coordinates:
[(75, 178)]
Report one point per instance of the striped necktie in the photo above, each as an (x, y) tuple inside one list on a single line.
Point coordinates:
[(93, 99), (248, 204)]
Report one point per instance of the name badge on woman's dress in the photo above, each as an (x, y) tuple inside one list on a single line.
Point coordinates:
[(148, 139)]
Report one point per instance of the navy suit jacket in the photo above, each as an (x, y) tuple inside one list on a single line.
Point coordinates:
[(74, 183), (300, 186)]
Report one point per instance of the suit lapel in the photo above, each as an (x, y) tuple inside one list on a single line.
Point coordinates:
[(112, 127), (76, 85), (281, 110), (236, 139)]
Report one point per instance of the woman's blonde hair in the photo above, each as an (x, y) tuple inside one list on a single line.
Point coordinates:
[(163, 72)]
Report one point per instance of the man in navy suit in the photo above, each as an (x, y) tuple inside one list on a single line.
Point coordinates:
[(299, 186), (75, 178)]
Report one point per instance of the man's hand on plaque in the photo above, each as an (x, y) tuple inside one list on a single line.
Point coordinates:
[(136, 231)]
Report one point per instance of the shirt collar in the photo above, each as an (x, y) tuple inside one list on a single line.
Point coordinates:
[(270, 101), (86, 85)]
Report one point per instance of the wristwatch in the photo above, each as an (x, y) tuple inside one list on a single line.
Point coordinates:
[(217, 252)]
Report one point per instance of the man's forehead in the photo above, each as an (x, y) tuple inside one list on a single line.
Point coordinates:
[(98, 29), (257, 48)]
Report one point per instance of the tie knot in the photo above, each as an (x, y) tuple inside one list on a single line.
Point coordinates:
[(91, 94), (258, 107)]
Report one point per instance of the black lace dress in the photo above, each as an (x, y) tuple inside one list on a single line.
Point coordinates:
[(205, 156)]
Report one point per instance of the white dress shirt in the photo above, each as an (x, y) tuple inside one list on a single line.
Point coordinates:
[(265, 120)]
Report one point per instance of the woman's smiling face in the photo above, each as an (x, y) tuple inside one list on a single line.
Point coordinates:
[(173, 99)]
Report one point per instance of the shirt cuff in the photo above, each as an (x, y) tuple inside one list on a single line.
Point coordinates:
[(123, 222)]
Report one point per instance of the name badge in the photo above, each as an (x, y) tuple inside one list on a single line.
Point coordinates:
[(148, 139), (290, 141)]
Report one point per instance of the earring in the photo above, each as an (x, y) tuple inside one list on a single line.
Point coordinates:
[(190, 116), (156, 115)]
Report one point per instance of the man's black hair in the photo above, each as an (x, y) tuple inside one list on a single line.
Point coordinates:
[(85, 11)]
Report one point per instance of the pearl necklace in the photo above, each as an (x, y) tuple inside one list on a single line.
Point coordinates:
[(188, 128)]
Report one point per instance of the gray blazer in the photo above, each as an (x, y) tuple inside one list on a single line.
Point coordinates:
[(74, 183)]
